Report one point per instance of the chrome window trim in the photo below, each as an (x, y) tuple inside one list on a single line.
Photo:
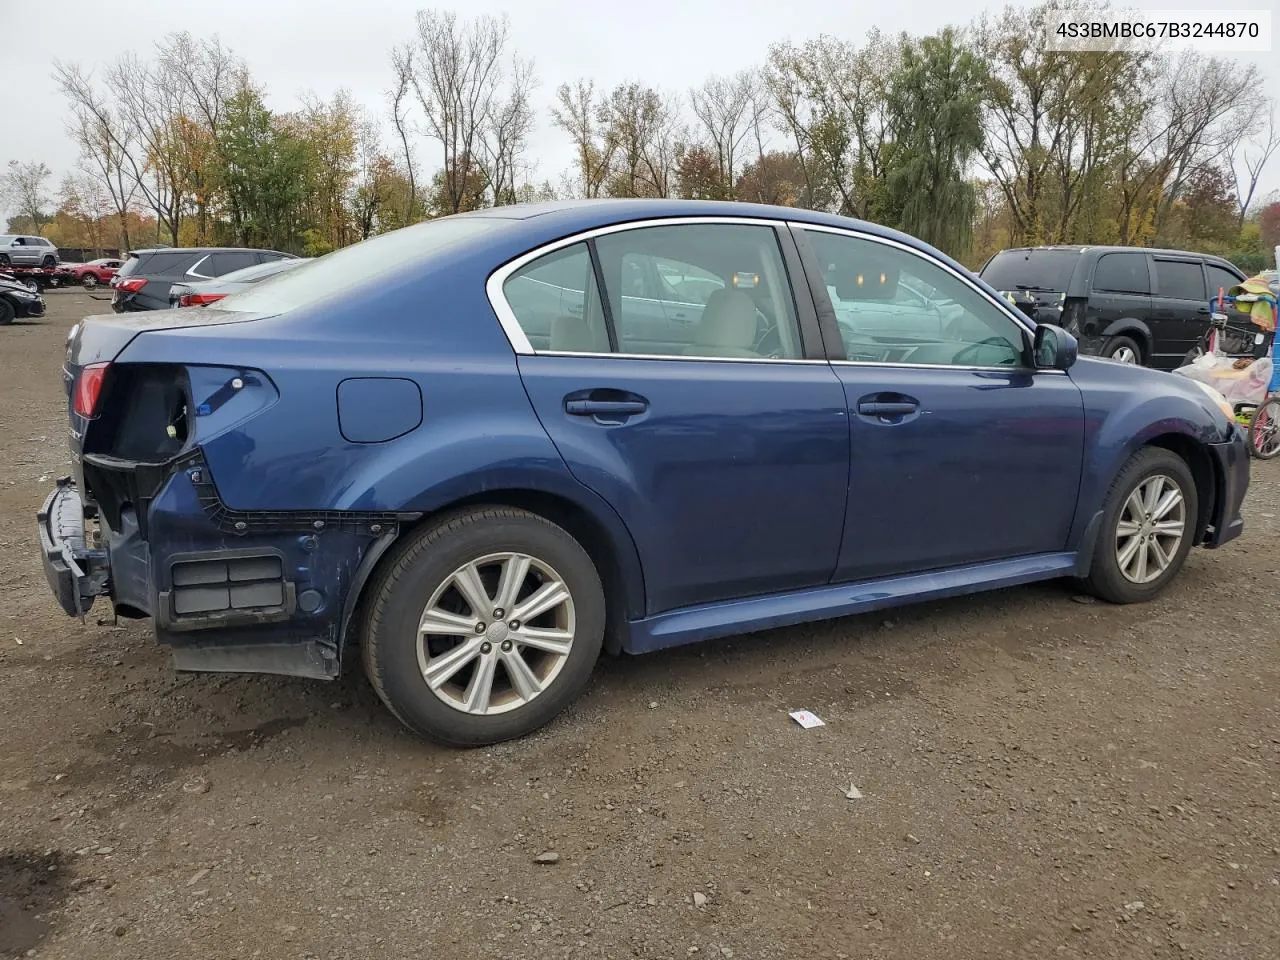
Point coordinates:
[(520, 342), (191, 271)]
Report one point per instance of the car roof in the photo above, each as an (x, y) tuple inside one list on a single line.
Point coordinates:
[(572, 216)]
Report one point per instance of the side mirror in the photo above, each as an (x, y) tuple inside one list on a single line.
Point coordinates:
[(1054, 348)]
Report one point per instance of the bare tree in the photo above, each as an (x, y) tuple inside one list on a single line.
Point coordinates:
[(402, 67), (578, 114), (1253, 153), (206, 75), (644, 124), (25, 187), (504, 136), (152, 100), (1204, 107), (728, 110), (108, 149), (458, 75)]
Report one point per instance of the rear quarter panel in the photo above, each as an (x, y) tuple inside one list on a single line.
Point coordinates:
[(432, 325)]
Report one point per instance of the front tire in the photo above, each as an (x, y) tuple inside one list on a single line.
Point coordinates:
[(1148, 528), (6, 312), (483, 626), (4, 260)]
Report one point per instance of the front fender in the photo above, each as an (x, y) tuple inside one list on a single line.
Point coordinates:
[(1126, 408)]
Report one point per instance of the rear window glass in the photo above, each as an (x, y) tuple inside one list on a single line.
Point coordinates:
[(1122, 273), (1031, 269), (1180, 280), (340, 270)]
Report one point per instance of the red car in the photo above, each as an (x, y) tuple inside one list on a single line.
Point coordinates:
[(95, 272)]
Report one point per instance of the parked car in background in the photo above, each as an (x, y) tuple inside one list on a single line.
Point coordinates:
[(17, 300), (144, 281), (27, 251), (372, 450), (205, 292), (94, 273), (1129, 304)]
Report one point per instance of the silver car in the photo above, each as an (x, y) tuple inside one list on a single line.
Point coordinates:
[(26, 251), (205, 292)]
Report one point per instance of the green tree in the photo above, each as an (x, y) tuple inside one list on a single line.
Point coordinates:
[(935, 117), (265, 175)]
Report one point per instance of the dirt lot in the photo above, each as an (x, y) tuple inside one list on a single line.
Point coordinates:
[(1038, 776)]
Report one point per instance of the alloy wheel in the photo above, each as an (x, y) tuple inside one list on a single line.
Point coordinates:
[(1149, 532), (496, 633), (1125, 354)]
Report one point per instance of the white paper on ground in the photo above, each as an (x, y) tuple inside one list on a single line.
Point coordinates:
[(806, 719)]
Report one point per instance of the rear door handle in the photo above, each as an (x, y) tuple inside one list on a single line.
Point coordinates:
[(605, 408), (887, 408)]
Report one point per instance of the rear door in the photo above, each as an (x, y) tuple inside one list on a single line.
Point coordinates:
[(1119, 296), (727, 457), (1179, 309)]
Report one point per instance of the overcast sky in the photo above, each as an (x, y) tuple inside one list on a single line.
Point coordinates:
[(293, 46)]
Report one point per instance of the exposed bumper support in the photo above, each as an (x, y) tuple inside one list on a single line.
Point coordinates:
[(77, 573)]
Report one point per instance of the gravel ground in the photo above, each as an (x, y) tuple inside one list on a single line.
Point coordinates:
[(1038, 777)]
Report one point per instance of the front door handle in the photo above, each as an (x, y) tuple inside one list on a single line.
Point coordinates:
[(887, 408), (605, 408)]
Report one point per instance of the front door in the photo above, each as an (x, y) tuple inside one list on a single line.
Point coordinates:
[(727, 455), (1179, 310), (960, 453)]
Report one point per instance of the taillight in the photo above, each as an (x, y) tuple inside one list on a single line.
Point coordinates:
[(199, 299), (89, 389), (131, 284)]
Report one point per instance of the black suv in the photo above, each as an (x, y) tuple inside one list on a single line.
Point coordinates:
[(143, 282), (1131, 304)]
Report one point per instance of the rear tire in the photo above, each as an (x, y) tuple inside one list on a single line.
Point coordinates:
[(1123, 350), (1138, 552), (49, 262), (89, 281), (534, 670), (1264, 430), (6, 313)]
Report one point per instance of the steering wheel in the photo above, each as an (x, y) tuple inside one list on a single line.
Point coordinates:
[(969, 355)]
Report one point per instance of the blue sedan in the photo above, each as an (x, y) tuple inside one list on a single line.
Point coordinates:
[(483, 449)]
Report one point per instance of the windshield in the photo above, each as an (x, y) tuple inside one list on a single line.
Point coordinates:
[(327, 275), (1031, 269)]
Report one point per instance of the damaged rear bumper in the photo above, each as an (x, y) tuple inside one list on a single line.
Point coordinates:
[(77, 571), (227, 590)]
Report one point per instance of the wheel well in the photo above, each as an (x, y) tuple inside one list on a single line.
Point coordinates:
[(579, 524), (1137, 336), (1202, 471)]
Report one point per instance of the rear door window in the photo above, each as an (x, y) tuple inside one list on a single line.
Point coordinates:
[(222, 263), (1181, 279), (1122, 273)]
